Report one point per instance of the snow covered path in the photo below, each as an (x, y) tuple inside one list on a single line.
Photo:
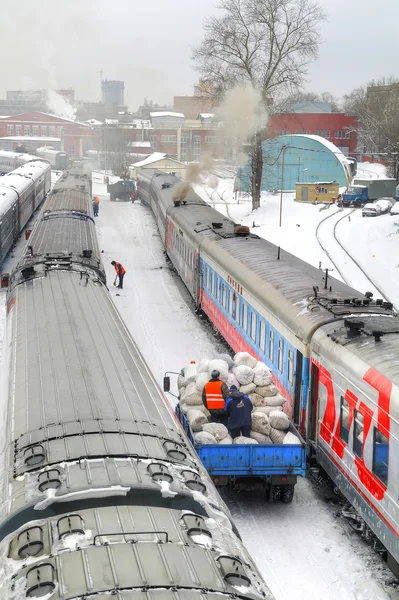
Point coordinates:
[(303, 551)]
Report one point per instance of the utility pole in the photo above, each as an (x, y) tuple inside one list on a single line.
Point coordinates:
[(101, 80), (282, 185)]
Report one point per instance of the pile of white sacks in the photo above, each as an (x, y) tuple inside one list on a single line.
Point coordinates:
[(269, 423)]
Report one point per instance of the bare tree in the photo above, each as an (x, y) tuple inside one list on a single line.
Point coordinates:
[(267, 44)]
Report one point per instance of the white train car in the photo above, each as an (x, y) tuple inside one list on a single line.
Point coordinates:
[(9, 161), (57, 159)]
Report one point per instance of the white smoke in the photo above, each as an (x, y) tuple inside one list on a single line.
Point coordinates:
[(58, 105), (242, 111)]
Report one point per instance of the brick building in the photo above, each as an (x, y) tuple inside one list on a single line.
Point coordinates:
[(75, 137), (338, 128)]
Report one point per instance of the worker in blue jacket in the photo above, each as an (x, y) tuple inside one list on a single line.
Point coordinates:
[(238, 408)]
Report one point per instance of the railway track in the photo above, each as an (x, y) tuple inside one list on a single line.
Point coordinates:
[(364, 279)]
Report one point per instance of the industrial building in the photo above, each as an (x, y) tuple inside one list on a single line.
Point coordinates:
[(112, 92)]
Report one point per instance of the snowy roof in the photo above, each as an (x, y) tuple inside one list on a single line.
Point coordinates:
[(94, 122), (112, 121), (153, 158), (139, 123), (30, 138), (207, 115), (167, 114), (139, 144)]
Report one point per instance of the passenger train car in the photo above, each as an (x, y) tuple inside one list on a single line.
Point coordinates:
[(57, 159), (9, 161), (101, 493), (333, 351), (21, 192)]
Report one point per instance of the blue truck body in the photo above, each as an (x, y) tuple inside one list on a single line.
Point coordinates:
[(252, 460), (363, 190)]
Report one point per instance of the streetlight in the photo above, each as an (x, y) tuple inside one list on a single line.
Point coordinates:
[(304, 170)]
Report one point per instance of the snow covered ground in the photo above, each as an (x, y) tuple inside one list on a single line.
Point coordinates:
[(303, 550), (308, 231)]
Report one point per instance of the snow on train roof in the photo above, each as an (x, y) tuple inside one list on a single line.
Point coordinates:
[(21, 177)]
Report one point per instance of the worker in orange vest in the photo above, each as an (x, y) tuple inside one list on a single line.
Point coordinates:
[(120, 272), (214, 396), (96, 206)]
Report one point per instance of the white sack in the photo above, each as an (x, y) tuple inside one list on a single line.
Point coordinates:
[(185, 408), (290, 438), (279, 420), (227, 440), (244, 358), (202, 437), (232, 380), (227, 358), (243, 374), (275, 400), (200, 407), (190, 372), (181, 382), (191, 395), (203, 365), (262, 375), (266, 390), (267, 409), (201, 380), (260, 437), (218, 430), (260, 423), (218, 365), (244, 440), (247, 389), (197, 419), (257, 400), (277, 436)]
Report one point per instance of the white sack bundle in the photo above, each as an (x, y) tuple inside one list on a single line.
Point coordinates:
[(185, 408), (257, 400), (244, 440), (266, 390), (201, 380), (203, 365), (279, 420), (218, 430), (190, 372), (202, 437), (244, 358), (243, 374), (260, 423), (267, 409), (181, 382), (191, 395), (200, 407), (247, 389), (220, 365), (232, 380), (290, 438), (262, 374), (227, 440), (260, 437), (275, 400), (197, 419), (227, 358), (277, 436)]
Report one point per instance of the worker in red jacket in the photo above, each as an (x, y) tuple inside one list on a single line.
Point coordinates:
[(213, 396), (120, 272)]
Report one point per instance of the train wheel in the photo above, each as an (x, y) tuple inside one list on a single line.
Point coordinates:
[(276, 494), (287, 493)]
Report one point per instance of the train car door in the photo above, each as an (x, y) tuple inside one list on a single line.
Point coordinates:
[(298, 388), (313, 404)]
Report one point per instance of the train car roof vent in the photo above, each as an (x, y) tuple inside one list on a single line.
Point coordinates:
[(369, 294), (241, 230), (233, 571), (366, 302), (28, 272), (388, 305), (353, 326), (217, 225), (377, 335), (165, 186), (379, 301), (87, 253)]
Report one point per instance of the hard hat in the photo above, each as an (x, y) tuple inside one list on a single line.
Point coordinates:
[(192, 362)]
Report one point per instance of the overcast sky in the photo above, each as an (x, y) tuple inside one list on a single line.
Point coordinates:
[(54, 43)]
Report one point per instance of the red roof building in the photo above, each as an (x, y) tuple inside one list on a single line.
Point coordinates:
[(75, 137)]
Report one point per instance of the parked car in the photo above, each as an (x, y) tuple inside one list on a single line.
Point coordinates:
[(371, 210), (395, 209), (385, 204)]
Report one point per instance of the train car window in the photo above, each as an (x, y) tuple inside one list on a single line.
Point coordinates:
[(280, 358), (238, 309), (245, 317), (210, 281), (290, 366), (224, 295), (214, 288), (253, 325), (358, 434), (271, 346), (231, 294), (344, 421), (262, 336), (380, 456)]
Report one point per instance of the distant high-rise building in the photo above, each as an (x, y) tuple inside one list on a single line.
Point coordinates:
[(112, 92)]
